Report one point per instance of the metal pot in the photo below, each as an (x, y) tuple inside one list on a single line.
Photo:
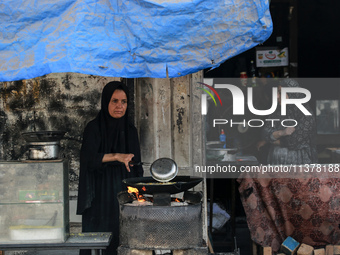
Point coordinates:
[(216, 152), (44, 150), (43, 145)]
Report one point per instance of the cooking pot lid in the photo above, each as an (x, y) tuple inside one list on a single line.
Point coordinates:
[(164, 169)]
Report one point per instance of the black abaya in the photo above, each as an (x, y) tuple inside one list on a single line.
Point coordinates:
[(99, 182)]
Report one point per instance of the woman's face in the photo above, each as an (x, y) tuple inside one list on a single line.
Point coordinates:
[(118, 104)]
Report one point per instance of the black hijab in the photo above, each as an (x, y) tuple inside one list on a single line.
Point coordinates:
[(114, 135)]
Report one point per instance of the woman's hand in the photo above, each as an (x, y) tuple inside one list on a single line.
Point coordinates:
[(124, 158), (121, 157), (288, 131), (280, 133)]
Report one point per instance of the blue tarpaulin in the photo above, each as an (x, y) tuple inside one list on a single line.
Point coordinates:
[(126, 38)]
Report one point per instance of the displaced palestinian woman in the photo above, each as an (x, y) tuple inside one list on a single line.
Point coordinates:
[(291, 145), (110, 142)]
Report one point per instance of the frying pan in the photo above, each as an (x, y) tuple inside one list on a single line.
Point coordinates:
[(176, 185)]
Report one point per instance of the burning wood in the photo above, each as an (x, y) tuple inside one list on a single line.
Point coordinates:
[(135, 192), (138, 203), (147, 200)]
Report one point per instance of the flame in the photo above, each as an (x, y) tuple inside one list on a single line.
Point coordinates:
[(177, 200), (139, 197), (144, 189), (132, 190)]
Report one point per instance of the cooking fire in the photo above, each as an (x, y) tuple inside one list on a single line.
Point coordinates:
[(145, 199)]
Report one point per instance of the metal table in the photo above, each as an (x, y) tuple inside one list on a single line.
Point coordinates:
[(96, 242)]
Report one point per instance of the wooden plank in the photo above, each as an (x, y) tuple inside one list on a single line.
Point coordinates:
[(267, 251), (196, 119), (329, 249), (145, 119), (254, 248), (336, 250), (162, 121), (127, 251), (305, 249), (181, 127), (319, 252)]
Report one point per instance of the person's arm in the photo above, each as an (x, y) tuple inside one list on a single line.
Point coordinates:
[(120, 157), (280, 133), (93, 158)]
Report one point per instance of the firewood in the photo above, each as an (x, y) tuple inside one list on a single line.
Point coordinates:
[(329, 249), (140, 252), (336, 250), (305, 249), (289, 246), (267, 251), (319, 252)]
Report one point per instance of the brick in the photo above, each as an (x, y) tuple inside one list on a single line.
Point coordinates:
[(329, 249), (336, 249), (319, 252), (305, 249), (267, 251), (289, 246)]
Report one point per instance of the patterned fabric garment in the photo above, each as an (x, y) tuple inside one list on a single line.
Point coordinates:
[(307, 209), (300, 146)]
